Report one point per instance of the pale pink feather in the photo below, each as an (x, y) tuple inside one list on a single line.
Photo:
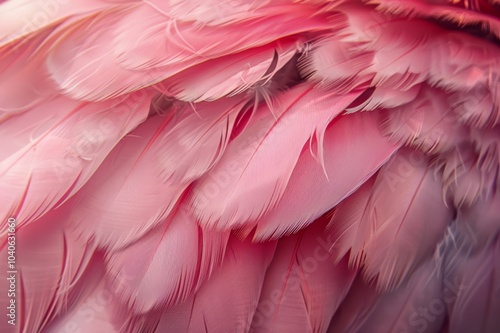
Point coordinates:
[(303, 287), (252, 175), (55, 164), (312, 189), (168, 264), (228, 300)]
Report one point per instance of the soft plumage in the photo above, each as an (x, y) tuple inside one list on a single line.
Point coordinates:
[(250, 166)]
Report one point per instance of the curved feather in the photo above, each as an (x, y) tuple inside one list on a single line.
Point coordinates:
[(442, 10), (255, 164), (161, 155), (114, 45), (231, 74), (98, 312), (239, 279), (20, 19), (45, 269), (349, 159), (428, 123), (408, 217), (389, 52), (477, 302), (168, 264), (23, 75), (410, 308), (303, 286), (348, 226), (213, 12), (107, 210), (199, 138), (54, 166)]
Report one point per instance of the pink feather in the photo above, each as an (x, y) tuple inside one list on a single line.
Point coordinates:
[(131, 61), (239, 280), (168, 264), (48, 291), (428, 123), (313, 190), (407, 309), (60, 160), (264, 168), (477, 301), (231, 74), (303, 287), (403, 233)]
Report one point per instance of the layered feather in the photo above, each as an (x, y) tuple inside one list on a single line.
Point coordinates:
[(303, 286), (231, 74), (42, 292), (55, 162), (407, 218), (417, 306), (168, 264), (445, 11), (256, 165), (113, 45), (428, 123), (240, 280), (477, 301), (349, 160), (163, 155), (348, 228)]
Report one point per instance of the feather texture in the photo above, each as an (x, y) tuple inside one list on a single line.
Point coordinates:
[(477, 301), (411, 308), (168, 264), (240, 280), (131, 61), (164, 156), (264, 167), (402, 233), (348, 226), (428, 123), (231, 74), (303, 287), (42, 294), (59, 161), (313, 190)]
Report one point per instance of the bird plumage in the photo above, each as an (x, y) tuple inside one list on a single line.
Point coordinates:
[(250, 166)]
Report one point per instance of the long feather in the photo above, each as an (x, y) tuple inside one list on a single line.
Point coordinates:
[(199, 138), (303, 286), (168, 264), (114, 46), (45, 270), (408, 217), (477, 302), (51, 168), (442, 10), (231, 74), (349, 160), (228, 300), (256, 166), (163, 156), (22, 18), (348, 226), (410, 308)]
